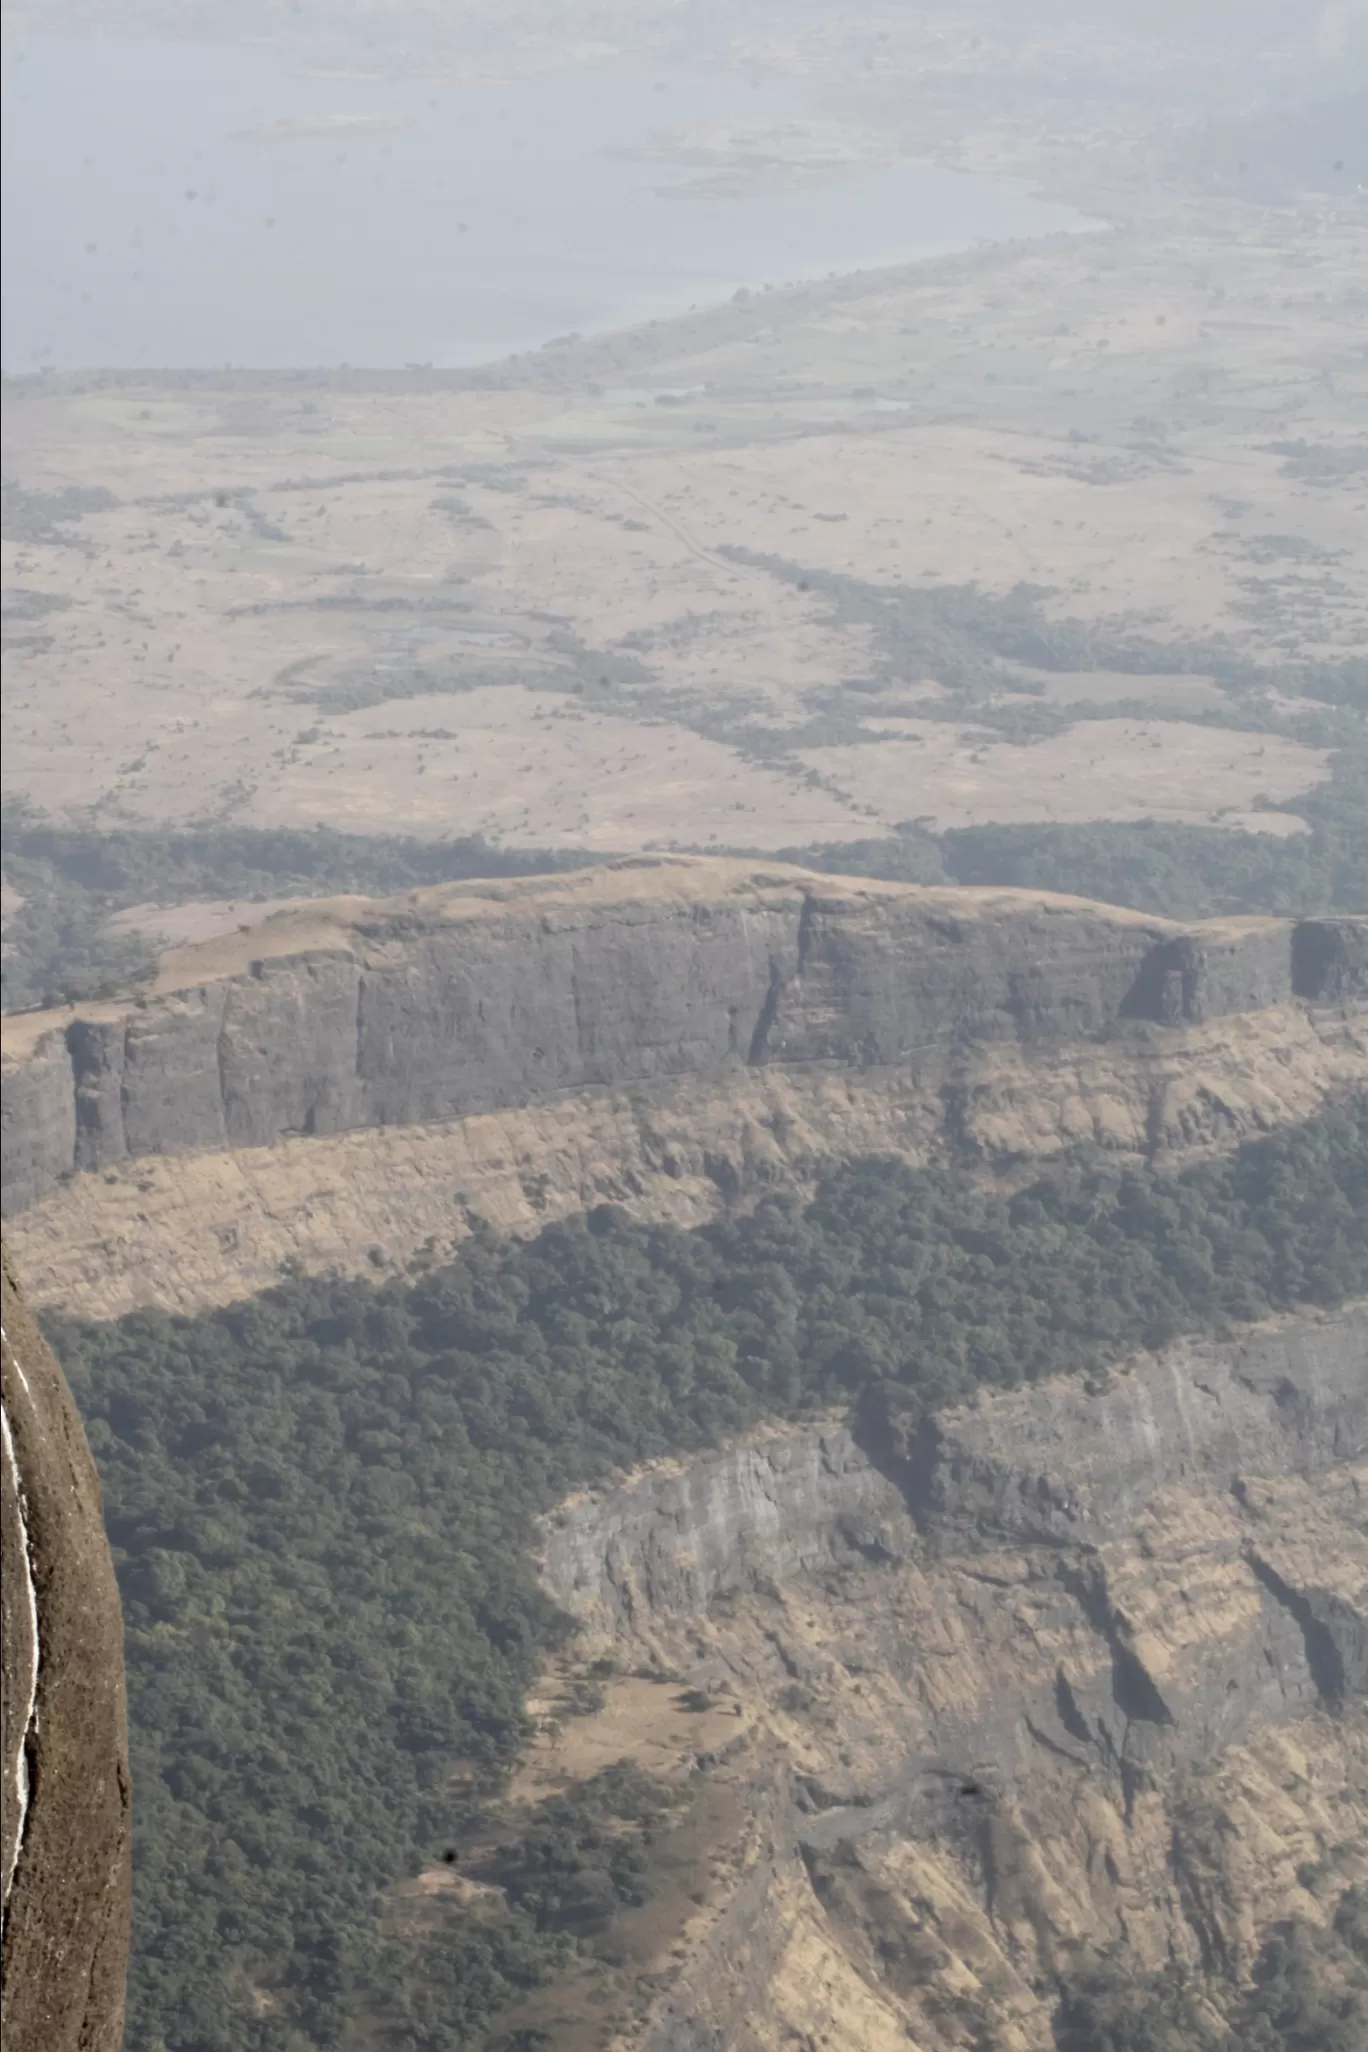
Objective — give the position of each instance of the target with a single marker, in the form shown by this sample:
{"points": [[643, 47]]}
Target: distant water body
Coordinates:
{"points": [[190, 206]]}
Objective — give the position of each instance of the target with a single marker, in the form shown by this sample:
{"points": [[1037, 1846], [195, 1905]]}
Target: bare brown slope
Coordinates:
{"points": [[66, 1830], [188, 1231], [1085, 1665]]}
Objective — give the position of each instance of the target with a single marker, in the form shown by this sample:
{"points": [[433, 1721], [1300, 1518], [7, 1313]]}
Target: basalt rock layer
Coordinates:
{"points": [[1078, 1666], [64, 1749], [464, 1000]]}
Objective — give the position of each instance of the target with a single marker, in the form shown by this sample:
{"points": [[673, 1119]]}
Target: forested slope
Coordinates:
{"points": [[322, 1502]]}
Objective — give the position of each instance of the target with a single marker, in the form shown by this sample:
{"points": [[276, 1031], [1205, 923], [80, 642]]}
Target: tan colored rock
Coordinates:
{"points": [[188, 1231], [1086, 1664], [66, 1825]]}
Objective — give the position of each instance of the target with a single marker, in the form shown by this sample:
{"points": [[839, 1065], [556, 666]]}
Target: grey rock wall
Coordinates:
{"points": [[415, 1015], [1330, 960], [671, 1542], [1061, 1464], [1197, 976], [39, 1110]]}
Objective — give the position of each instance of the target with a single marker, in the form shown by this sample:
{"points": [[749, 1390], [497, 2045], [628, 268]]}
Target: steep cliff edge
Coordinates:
{"points": [[671, 1037], [462, 1000], [184, 1232], [66, 1841], [1081, 1665]]}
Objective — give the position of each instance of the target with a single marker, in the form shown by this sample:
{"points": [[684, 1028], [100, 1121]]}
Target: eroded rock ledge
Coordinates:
{"points": [[1067, 1465], [466, 999], [1081, 1665]]}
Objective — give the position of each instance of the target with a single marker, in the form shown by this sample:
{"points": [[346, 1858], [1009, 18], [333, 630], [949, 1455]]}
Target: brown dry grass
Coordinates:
{"points": [[202, 919], [535, 768], [642, 1720], [1136, 479], [1135, 769]]}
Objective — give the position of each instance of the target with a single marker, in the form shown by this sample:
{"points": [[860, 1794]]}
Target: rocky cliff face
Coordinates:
{"points": [[462, 1000], [1064, 1467], [186, 1231], [63, 1747], [1082, 1664]]}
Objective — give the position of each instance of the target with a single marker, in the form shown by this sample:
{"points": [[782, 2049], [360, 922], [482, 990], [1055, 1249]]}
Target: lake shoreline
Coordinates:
{"points": [[186, 208]]}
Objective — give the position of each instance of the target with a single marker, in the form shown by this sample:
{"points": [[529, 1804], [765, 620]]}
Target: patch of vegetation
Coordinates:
{"points": [[968, 642], [1308, 1993], [912, 857], [575, 1865], [550, 1888], [1322, 463], [1286, 548], [1190, 872], [368, 687], [59, 949], [1178, 871], [1170, 869], [321, 1503], [567, 665], [460, 513], [73, 878], [22, 603], [49, 517]]}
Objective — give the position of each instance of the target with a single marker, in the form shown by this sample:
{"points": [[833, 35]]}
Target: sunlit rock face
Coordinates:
{"points": [[65, 1848], [1079, 1665], [462, 1000]]}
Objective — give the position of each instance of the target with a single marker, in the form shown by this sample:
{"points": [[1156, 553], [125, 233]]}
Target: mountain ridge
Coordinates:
{"points": [[457, 1000]]}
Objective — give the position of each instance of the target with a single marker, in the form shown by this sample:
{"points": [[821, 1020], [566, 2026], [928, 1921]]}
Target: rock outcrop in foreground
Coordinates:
{"points": [[471, 998], [1080, 1665], [64, 1744]]}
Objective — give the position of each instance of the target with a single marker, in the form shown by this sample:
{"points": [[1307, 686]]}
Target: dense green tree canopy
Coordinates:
{"points": [[321, 1502]]}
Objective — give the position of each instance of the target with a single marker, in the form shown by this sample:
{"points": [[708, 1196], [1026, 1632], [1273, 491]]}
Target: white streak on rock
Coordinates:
{"points": [[17, 1368], [21, 1778]]}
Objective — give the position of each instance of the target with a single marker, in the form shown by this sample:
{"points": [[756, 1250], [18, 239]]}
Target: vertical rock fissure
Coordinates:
{"points": [[360, 1031], [1323, 1656], [807, 920], [221, 1056], [779, 982], [1134, 1690], [908, 1455], [764, 1025], [1068, 1711], [577, 1011], [124, 1086]]}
